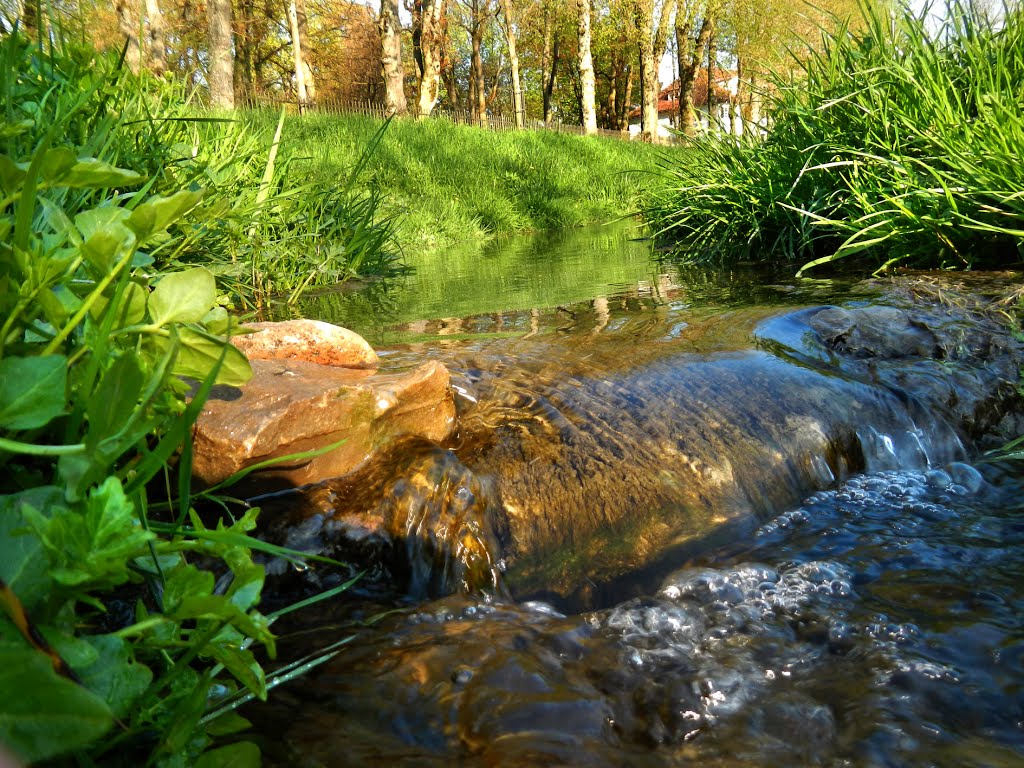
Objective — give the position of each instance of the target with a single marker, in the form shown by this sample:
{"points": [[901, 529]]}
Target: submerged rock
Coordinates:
{"points": [[594, 457]]}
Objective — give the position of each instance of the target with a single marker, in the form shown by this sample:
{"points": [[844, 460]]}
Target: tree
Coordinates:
{"points": [[303, 47], [157, 42], [692, 28], [428, 35], [508, 25], [221, 73], [480, 13], [586, 70], [300, 64], [391, 58], [653, 40], [129, 22], [550, 56]]}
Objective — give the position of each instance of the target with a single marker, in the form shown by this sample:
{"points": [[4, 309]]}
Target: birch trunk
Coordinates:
{"points": [[307, 70], [587, 85], [128, 24], [513, 57], [428, 54], [390, 29], [157, 42], [300, 70], [221, 76]]}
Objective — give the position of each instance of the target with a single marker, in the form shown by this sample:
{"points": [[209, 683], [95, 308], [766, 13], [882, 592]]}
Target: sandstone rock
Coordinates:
{"points": [[294, 406], [309, 340]]}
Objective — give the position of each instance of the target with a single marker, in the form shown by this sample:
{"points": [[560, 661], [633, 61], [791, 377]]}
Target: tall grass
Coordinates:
{"points": [[897, 144], [263, 226], [451, 184]]}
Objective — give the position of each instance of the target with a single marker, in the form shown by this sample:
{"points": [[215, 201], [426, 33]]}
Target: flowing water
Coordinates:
{"points": [[698, 544]]}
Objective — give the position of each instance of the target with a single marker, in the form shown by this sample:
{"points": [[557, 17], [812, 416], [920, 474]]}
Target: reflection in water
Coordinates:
{"points": [[876, 621]]}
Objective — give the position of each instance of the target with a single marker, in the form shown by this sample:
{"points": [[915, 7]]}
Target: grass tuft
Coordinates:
{"points": [[898, 144]]}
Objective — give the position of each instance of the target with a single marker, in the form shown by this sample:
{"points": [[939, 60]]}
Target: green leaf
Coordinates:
{"points": [[200, 352], [116, 398], [157, 213], [56, 164], [89, 172], [101, 219], [33, 391], [49, 715], [115, 676], [243, 754], [22, 562], [243, 665], [131, 310], [107, 246], [12, 176], [183, 297], [228, 723], [184, 581], [91, 550]]}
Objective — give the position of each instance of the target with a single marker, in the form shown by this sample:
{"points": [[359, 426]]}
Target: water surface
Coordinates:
{"points": [[877, 619]]}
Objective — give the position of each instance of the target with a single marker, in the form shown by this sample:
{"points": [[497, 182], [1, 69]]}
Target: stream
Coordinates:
{"points": [[668, 532]]}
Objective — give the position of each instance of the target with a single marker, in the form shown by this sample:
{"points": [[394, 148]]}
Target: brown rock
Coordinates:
{"points": [[310, 340], [294, 406]]}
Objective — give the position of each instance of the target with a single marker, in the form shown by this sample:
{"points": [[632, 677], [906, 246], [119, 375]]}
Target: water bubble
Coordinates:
{"points": [[938, 479], [966, 476]]}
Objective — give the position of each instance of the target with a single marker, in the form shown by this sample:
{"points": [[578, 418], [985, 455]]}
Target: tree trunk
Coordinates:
{"points": [[128, 24], [652, 49], [428, 37], [587, 85], [549, 85], [513, 57], [712, 55], [688, 51], [390, 29], [307, 70], [27, 12], [478, 88], [300, 68], [157, 43], [244, 73], [624, 113], [221, 75], [549, 62]]}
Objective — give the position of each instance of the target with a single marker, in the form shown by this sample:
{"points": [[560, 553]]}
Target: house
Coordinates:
{"points": [[726, 86]]}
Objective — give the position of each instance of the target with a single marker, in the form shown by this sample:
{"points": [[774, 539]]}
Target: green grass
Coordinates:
{"points": [[451, 184], [897, 145]]}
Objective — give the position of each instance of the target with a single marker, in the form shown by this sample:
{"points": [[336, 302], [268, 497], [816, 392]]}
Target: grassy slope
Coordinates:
{"points": [[450, 183]]}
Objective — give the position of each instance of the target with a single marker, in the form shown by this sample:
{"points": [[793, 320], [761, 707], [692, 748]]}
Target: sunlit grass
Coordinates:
{"points": [[451, 184], [899, 144]]}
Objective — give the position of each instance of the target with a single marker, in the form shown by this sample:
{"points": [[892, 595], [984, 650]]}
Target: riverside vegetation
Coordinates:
{"points": [[131, 622], [130, 224], [896, 144]]}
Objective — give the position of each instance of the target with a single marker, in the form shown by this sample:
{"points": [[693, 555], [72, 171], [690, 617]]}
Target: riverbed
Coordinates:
{"points": [[858, 607]]}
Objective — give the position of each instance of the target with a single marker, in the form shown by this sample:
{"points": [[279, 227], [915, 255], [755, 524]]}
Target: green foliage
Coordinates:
{"points": [[230, 195], [116, 627], [451, 184], [897, 144]]}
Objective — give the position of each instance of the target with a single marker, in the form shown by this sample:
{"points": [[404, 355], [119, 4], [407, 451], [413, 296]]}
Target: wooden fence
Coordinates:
{"points": [[378, 110]]}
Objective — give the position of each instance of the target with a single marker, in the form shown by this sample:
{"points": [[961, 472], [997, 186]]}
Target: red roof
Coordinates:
{"points": [[668, 99]]}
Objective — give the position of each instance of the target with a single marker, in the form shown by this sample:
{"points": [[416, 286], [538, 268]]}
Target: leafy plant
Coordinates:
{"points": [[120, 631]]}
